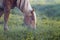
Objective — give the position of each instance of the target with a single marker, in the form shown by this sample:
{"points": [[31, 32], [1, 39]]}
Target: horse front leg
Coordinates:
{"points": [[1, 13], [6, 16]]}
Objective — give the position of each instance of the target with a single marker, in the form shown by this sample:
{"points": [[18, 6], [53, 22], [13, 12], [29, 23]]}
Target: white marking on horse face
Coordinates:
{"points": [[34, 20], [34, 16]]}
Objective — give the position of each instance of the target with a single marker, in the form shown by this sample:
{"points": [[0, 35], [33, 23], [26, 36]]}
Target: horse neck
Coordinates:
{"points": [[24, 5], [28, 5]]}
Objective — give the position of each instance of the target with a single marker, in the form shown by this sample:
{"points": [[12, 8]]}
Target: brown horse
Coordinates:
{"points": [[24, 6]]}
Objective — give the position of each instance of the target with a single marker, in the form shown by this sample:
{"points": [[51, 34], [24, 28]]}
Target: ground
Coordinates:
{"points": [[48, 25]]}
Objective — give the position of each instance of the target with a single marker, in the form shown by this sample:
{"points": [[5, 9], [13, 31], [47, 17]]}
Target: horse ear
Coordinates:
{"points": [[32, 11]]}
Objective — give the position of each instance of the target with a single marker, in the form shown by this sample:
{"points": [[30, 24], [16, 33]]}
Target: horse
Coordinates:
{"points": [[24, 6]]}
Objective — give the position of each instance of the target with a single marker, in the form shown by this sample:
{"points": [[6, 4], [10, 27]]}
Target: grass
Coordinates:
{"points": [[48, 27]]}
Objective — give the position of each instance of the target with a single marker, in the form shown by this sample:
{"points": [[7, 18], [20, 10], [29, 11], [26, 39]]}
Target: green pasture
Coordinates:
{"points": [[48, 24]]}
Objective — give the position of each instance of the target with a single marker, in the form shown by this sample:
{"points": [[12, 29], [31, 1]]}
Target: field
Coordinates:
{"points": [[48, 24]]}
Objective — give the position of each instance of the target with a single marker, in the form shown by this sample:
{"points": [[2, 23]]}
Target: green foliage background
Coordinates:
{"points": [[48, 23]]}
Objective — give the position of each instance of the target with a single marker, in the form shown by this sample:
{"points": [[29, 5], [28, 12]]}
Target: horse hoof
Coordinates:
{"points": [[6, 29]]}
